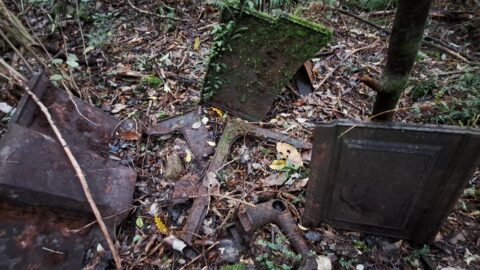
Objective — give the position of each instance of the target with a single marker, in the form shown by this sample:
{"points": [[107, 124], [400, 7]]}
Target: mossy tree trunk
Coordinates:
{"points": [[407, 33]]}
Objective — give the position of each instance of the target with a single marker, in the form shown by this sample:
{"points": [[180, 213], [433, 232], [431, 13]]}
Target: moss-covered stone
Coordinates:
{"points": [[258, 56]]}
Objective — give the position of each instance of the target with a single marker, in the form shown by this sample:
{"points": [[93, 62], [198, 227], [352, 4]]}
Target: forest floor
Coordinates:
{"points": [[127, 43]]}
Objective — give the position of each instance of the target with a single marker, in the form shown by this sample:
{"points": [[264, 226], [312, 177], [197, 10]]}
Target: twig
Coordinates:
{"points": [[95, 221], [342, 61], [430, 44], [223, 197], [80, 175], [11, 70], [152, 14], [199, 256], [447, 51], [373, 116], [53, 251], [29, 67]]}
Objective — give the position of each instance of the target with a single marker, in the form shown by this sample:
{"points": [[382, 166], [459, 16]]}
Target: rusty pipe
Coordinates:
{"points": [[276, 212]]}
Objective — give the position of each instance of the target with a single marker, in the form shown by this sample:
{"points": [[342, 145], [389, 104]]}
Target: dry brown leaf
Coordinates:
{"points": [[276, 179], [129, 135], [290, 153]]}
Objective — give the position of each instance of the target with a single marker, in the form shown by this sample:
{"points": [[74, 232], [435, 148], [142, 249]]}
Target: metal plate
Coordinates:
{"points": [[33, 238], [389, 179], [34, 169]]}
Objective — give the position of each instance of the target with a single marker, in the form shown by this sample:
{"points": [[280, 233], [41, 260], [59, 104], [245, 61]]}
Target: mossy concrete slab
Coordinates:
{"points": [[255, 57]]}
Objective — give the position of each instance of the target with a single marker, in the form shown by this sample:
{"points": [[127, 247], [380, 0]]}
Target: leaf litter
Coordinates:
{"points": [[176, 52]]}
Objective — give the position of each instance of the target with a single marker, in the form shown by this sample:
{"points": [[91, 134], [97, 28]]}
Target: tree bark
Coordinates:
{"points": [[407, 33]]}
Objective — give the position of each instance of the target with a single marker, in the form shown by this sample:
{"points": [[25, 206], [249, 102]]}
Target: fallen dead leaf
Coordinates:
{"points": [[275, 179], [175, 243], [188, 156], [323, 263], [278, 164], [218, 111], [118, 107], [129, 135], [290, 153]]}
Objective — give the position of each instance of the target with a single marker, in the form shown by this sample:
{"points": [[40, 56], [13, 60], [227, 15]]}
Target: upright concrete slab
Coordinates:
{"points": [[254, 56]]}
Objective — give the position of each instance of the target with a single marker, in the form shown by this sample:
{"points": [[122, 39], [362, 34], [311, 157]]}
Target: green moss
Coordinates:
{"points": [[260, 54], [237, 266], [152, 81]]}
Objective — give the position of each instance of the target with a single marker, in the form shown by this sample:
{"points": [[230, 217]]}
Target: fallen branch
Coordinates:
{"points": [[370, 82], [79, 173], [425, 42], [373, 116]]}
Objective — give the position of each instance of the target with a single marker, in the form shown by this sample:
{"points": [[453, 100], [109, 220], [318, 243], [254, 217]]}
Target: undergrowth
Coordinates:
{"points": [[456, 103]]}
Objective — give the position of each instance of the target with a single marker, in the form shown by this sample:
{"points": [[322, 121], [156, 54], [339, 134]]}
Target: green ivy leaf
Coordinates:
{"points": [[56, 77], [57, 61], [72, 60], [139, 222]]}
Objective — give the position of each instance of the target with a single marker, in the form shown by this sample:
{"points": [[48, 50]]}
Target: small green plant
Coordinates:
{"points": [[277, 255], [462, 105], [417, 254], [152, 81], [237, 266], [422, 89], [360, 245], [221, 33], [345, 263], [371, 5], [99, 35]]}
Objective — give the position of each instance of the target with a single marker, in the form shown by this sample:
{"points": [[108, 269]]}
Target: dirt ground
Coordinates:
{"points": [[170, 40]]}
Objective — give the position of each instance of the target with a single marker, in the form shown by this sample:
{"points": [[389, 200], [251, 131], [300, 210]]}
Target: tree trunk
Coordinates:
{"points": [[407, 32]]}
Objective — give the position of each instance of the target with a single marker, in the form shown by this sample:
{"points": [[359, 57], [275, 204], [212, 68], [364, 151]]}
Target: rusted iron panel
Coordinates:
{"points": [[33, 238], [303, 79], [389, 179], [196, 137], [34, 169], [174, 123]]}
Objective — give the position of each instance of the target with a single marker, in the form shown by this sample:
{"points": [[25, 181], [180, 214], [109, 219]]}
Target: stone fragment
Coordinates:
{"points": [[174, 167]]}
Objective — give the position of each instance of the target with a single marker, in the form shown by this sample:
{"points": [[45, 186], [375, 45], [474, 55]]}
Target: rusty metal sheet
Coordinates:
{"points": [[196, 137], [255, 57], [303, 79], [33, 238], [391, 179], [34, 169], [174, 123]]}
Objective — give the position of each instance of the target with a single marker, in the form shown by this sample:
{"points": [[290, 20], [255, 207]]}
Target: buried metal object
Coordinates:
{"points": [[196, 137], [391, 179], [208, 185], [254, 57], [276, 212], [36, 174], [34, 169], [36, 238]]}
